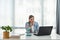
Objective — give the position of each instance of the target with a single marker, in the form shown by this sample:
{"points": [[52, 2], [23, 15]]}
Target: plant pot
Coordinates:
{"points": [[5, 35]]}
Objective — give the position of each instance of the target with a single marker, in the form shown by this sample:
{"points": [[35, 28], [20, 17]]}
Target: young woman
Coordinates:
{"points": [[34, 27]]}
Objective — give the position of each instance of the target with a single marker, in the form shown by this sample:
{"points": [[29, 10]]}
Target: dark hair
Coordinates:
{"points": [[31, 16]]}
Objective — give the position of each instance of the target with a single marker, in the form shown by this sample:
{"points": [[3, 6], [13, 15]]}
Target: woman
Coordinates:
{"points": [[32, 25]]}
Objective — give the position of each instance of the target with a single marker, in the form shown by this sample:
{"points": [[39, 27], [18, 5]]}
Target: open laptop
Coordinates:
{"points": [[44, 30]]}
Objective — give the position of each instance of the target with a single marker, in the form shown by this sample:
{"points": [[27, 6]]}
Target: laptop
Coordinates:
{"points": [[44, 30]]}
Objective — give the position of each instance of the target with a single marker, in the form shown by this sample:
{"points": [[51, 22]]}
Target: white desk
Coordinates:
{"points": [[50, 37], [35, 37]]}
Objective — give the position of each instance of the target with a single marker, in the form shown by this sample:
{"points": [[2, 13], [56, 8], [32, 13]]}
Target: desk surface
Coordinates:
{"points": [[52, 36]]}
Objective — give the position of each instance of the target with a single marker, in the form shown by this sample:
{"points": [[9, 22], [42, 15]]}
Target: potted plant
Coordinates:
{"points": [[6, 29]]}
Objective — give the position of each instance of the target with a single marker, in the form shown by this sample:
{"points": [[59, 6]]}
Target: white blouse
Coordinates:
{"points": [[33, 29]]}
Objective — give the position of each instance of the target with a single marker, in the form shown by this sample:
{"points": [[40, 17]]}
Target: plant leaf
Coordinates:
{"points": [[6, 28]]}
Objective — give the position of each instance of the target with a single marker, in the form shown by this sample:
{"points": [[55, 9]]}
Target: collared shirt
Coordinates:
{"points": [[35, 26]]}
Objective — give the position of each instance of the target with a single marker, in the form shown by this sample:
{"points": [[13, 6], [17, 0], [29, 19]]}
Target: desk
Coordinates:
{"points": [[49, 37], [29, 37], [35, 37]]}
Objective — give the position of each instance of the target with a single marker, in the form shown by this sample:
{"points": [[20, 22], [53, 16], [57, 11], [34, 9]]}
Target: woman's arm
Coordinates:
{"points": [[28, 28], [37, 27]]}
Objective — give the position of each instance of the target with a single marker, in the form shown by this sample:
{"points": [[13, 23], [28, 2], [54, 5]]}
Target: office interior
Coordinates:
{"points": [[15, 13]]}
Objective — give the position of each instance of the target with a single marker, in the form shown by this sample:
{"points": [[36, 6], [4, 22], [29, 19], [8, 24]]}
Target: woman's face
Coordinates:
{"points": [[31, 20]]}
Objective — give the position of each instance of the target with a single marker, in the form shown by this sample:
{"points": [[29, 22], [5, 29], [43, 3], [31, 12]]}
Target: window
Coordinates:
{"points": [[5, 13], [50, 12], [24, 8]]}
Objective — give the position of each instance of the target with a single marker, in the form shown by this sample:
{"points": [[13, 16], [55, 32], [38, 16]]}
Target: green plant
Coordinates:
{"points": [[6, 28]]}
